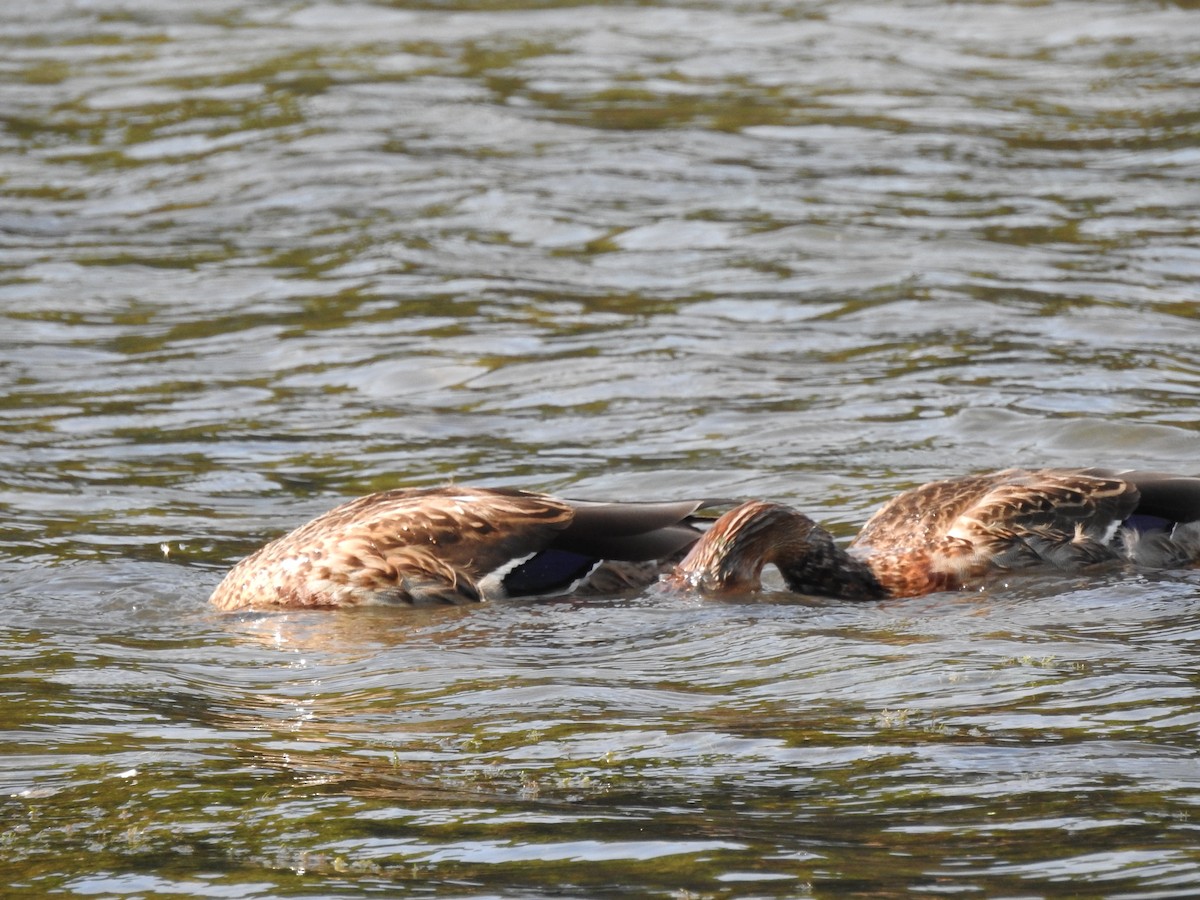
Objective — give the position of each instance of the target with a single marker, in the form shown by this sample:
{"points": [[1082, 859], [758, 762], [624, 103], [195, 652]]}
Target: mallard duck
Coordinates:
{"points": [[943, 535], [459, 545]]}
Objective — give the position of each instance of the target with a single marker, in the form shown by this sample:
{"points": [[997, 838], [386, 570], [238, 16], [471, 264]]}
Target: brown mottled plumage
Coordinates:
{"points": [[457, 545], [943, 534]]}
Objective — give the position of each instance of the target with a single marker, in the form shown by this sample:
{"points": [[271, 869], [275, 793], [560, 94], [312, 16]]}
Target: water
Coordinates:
{"points": [[258, 258]]}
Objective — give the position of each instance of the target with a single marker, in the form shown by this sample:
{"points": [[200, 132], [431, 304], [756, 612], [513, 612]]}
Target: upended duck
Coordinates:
{"points": [[460, 545], [947, 534]]}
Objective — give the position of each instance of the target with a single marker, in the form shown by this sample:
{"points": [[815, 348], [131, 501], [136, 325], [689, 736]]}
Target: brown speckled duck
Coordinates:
{"points": [[945, 534], [459, 545]]}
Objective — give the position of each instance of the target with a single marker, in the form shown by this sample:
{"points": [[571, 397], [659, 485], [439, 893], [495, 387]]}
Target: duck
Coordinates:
{"points": [[946, 535], [461, 545]]}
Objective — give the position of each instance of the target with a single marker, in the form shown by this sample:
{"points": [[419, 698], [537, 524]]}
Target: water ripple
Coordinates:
{"points": [[257, 259]]}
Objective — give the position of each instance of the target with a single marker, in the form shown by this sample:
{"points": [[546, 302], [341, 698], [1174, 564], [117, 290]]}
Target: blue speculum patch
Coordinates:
{"points": [[548, 571]]}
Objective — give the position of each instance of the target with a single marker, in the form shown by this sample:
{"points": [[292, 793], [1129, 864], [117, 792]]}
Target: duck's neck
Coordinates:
{"points": [[731, 556], [819, 566]]}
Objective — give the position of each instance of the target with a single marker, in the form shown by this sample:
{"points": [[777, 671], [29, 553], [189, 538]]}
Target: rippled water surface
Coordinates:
{"points": [[256, 258]]}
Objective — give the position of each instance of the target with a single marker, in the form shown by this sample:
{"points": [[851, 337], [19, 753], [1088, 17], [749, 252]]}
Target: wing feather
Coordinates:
{"points": [[1009, 519]]}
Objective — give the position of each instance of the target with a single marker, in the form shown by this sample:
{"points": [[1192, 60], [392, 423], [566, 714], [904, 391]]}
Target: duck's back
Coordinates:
{"points": [[1019, 517], [393, 545], [1009, 518]]}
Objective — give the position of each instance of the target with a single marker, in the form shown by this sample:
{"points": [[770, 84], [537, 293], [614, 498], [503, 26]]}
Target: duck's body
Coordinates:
{"points": [[946, 534], [457, 545]]}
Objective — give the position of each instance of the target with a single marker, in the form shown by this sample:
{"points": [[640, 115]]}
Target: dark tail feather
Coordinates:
{"points": [[1175, 498], [633, 531]]}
